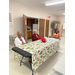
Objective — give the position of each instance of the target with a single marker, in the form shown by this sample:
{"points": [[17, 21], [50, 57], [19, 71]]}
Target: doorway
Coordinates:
{"points": [[41, 27], [47, 28], [32, 23]]}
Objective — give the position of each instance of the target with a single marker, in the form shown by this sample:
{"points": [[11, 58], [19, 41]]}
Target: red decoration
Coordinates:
{"points": [[42, 61], [38, 51], [46, 46], [38, 38], [33, 44], [43, 40], [49, 16], [33, 69], [33, 60], [22, 48]]}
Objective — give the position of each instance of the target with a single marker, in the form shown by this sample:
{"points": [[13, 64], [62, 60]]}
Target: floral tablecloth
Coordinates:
{"points": [[41, 51]]}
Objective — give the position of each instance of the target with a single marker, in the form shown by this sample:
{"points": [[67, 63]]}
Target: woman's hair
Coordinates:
{"points": [[18, 32], [34, 30], [58, 31], [55, 30]]}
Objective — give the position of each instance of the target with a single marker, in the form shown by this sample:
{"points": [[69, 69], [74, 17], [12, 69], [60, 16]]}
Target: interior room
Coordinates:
{"points": [[32, 23], [37, 17]]}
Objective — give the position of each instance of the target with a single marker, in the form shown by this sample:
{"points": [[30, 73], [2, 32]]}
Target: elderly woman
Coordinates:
{"points": [[35, 36], [19, 40], [56, 34]]}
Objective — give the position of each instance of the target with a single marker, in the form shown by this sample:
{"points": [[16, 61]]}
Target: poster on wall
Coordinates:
{"points": [[10, 18]]}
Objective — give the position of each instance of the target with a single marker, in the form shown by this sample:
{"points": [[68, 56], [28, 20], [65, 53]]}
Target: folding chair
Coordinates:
{"points": [[24, 54], [17, 54]]}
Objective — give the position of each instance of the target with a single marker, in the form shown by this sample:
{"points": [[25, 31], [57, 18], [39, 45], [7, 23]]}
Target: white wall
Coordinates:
{"points": [[62, 20], [17, 10]]}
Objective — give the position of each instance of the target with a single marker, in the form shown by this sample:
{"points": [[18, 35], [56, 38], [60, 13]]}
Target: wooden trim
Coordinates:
{"points": [[47, 31], [41, 27], [25, 27]]}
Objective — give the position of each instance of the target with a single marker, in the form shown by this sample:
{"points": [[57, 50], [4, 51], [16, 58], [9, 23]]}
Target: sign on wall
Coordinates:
{"points": [[10, 20]]}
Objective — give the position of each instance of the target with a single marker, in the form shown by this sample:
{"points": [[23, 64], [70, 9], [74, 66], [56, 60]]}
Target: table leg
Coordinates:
{"points": [[32, 72], [30, 62], [21, 61], [30, 67]]}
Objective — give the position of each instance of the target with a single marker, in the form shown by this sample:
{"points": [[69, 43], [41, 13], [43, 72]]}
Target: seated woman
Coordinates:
{"points": [[19, 40], [35, 36], [56, 34]]}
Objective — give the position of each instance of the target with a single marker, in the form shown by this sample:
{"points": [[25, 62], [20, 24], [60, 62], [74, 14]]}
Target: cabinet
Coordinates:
{"points": [[33, 21], [29, 34], [30, 22]]}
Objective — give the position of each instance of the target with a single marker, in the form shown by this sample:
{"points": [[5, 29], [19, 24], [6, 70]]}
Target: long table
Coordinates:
{"points": [[38, 51]]}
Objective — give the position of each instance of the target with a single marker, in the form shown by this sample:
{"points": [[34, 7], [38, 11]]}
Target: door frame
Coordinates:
{"points": [[38, 22], [48, 28], [25, 25], [44, 25], [32, 17]]}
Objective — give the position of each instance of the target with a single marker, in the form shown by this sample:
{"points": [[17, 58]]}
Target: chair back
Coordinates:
{"points": [[14, 45]]}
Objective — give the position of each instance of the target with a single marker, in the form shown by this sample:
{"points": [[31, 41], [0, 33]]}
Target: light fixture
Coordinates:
{"points": [[54, 3]]}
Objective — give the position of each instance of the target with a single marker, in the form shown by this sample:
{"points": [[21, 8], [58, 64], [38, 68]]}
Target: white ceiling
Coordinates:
{"points": [[40, 5]]}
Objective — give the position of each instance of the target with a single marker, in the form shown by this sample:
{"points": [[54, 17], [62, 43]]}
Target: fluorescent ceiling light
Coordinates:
{"points": [[54, 3]]}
